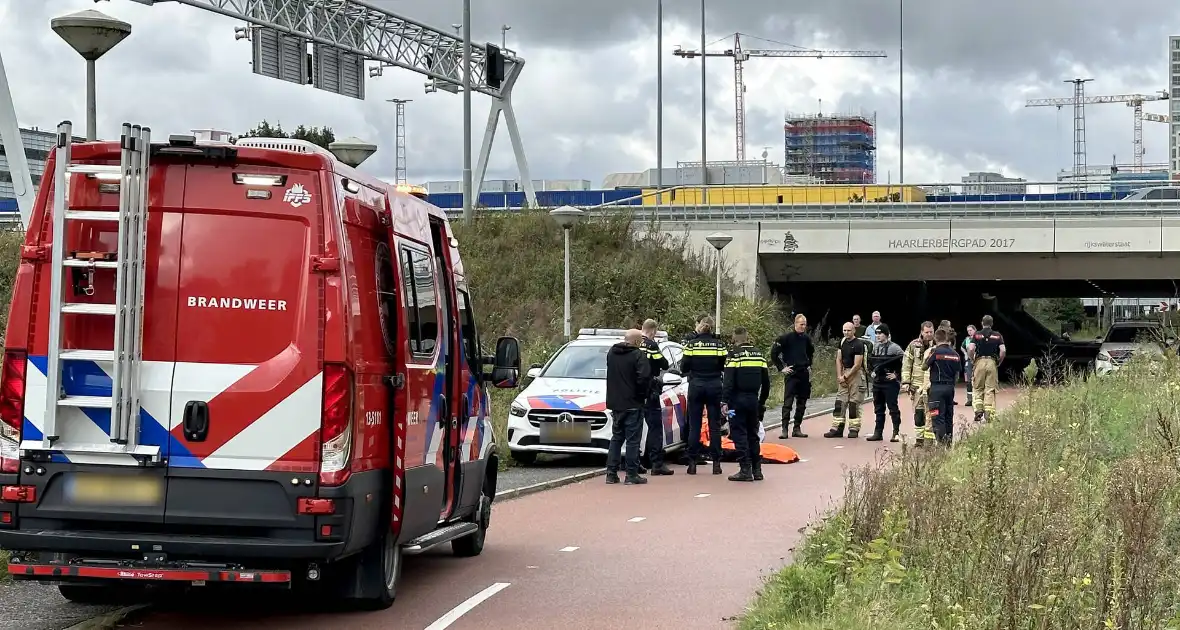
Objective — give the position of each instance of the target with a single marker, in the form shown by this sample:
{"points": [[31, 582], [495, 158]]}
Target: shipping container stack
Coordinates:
{"points": [[833, 148]]}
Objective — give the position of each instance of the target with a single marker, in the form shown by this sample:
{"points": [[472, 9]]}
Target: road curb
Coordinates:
{"points": [[109, 620], [524, 491]]}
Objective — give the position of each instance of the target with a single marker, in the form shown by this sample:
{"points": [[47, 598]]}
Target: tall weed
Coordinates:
{"points": [[1060, 515]]}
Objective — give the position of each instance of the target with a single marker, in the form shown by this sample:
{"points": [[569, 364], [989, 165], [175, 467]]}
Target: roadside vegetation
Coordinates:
{"points": [[1059, 515], [620, 273]]}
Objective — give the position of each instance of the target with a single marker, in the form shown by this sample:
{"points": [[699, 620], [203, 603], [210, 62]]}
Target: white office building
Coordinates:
{"points": [[988, 183]]}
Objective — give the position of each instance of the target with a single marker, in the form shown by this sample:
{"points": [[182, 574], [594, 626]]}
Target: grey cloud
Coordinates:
{"points": [[181, 69]]}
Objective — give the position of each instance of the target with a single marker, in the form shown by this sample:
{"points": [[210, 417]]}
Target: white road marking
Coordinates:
{"points": [[839, 447], [462, 609], [531, 567], [569, 549], [701, 496], [804, 461], [637, 519]]}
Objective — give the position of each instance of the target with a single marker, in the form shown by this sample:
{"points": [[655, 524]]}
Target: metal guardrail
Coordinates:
{"points": [[886, 211], [10, 219]]}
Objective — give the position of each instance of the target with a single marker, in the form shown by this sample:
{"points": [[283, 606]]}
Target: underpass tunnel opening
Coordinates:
{"points": [[905, 304]]}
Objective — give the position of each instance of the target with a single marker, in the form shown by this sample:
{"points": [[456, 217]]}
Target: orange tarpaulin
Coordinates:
{"points": [[772, 453]]}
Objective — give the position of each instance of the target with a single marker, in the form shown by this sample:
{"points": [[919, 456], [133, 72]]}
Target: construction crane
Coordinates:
{"points": [[740, 56], [1134, 101], [402, 174]]}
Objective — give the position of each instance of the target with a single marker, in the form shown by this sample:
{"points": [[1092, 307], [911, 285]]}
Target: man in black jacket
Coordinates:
{"points": [[885, 375], [703, 365], [628, 381], [653, 413], [792, 354]]}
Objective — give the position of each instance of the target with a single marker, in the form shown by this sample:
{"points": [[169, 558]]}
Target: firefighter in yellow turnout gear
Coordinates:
{"points": [[986, 350], [915, 380]]}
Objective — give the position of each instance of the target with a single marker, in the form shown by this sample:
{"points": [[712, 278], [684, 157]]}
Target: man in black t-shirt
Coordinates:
{"points": [[851, 381]]}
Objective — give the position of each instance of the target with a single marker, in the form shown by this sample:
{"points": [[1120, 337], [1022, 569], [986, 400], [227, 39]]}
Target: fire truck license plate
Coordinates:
{"points": [[114, 490], [565, 432]]}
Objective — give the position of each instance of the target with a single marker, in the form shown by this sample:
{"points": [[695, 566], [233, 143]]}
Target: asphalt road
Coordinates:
{"points": [[680, 552]]}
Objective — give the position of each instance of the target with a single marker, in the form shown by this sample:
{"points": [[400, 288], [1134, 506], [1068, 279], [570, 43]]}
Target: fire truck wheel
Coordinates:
{"points": [[380, 570], [472, 544]]}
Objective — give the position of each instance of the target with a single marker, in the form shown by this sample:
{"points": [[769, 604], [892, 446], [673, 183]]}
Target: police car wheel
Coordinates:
{"points": [[471, 545]]}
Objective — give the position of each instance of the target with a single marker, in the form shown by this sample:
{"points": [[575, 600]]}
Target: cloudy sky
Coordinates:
{"points": [[586, 100]]}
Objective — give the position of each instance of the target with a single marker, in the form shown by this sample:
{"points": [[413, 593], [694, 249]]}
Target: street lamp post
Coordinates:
{"points": [[718, 240], [659, 99], [504, 35], [468, 195], [567, 217], [93, 34]]}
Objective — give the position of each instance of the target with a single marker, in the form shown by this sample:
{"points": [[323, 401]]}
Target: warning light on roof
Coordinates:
{"points": [[413, 189]]}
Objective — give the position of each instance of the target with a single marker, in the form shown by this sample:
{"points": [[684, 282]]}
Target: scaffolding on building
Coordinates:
{"points": [[836, 148]]}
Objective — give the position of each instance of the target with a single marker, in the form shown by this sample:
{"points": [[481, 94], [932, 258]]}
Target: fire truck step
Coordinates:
{"points": [[92, 215], [88, 355], [97, 264], [87, 402], [94, 169], [446, 533], [83, 308]]}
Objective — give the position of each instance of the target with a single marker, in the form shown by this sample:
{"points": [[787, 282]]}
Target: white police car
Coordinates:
{"points": [[563, 408]]}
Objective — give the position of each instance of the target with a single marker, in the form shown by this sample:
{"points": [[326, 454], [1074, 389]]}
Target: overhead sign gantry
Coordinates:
{"points": [[344, 34]]}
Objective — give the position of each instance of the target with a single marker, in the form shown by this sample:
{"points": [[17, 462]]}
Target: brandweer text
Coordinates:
{"points": [[248, 304]]}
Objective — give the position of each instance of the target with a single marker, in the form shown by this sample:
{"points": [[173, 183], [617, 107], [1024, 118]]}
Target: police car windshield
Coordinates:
{"points": [[578, 362], [1130, 334]]}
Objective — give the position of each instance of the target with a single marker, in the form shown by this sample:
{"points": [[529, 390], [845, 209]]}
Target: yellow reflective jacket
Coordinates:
{"points": [[913, 365]]}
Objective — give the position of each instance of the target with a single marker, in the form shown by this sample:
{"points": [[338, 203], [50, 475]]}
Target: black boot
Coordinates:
{"points": [[798, 430], [875, 437], [742, 475], [717, 468], [662, 471], [634, 480], [692, 468], [896, 437], [853, 433], [835, 432], [758, 471], [612, 477]]}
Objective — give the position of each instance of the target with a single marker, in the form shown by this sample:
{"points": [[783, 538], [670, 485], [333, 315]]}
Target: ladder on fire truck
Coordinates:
{"points": [[128, 262]]}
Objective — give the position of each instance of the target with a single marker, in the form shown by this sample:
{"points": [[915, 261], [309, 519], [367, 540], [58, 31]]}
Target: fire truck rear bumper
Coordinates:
{"points": [[81, 543]]}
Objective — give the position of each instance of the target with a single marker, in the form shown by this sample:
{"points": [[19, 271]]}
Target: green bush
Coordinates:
{"points": [[1060, 515], [620, 274]]}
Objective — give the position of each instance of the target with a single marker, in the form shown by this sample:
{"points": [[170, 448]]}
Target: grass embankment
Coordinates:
{"points": [[1060, 515], [618, 275]]}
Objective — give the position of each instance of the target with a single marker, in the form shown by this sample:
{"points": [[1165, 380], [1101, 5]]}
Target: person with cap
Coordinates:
{"points": [[653, 413], [743, 400], [703, 365], [792, 354], [885, 372]]}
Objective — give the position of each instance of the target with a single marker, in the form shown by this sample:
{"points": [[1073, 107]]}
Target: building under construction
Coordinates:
{"points": [[833, 148]]}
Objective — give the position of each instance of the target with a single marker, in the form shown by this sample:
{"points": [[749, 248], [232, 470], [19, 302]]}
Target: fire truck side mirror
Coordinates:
{"points": [[506, 366]]}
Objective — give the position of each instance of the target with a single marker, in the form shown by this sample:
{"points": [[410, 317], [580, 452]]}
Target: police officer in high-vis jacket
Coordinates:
{"points": [[703, 364], [653, 448], [743, 398]]}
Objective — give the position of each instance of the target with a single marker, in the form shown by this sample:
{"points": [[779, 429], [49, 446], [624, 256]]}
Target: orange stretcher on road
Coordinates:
{"points": [[772, 453]]}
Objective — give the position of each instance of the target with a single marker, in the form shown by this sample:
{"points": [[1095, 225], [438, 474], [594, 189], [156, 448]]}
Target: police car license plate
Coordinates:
{"points": [[114, 490], [565, 432]]}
